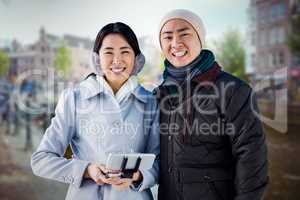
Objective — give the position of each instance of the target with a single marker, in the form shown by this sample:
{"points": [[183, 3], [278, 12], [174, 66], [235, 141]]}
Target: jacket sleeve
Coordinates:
{"points": [[248, 145], [150, 177], [48, 161]]}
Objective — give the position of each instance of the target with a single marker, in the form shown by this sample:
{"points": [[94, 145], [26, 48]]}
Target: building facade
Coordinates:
{"points": [[41, 55], [268, 30]]}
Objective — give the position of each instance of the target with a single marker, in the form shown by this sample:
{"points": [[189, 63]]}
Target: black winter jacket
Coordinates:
{"points": [[213, 146]]}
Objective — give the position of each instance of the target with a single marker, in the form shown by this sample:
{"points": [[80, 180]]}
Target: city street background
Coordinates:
{"points": [[46, 46]]}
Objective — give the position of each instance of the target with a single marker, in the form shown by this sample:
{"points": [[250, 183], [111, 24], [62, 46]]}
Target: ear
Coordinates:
{"points": [[139, 63], [96, 66]]}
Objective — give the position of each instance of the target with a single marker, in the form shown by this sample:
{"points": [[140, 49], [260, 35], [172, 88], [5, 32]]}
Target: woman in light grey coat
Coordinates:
{"points": [[107, 112]]}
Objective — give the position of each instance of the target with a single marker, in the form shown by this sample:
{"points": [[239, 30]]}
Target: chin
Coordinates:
{"points": [[180, 64], [123, 76]]}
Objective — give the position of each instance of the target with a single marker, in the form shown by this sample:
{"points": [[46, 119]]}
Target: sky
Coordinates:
{"points": [[22, 19]]}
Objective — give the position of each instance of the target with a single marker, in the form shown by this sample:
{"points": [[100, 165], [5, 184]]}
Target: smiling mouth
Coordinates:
{"points": [[118, 70], [179, 54]]}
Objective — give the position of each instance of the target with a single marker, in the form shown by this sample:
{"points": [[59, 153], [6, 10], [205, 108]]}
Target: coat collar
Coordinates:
{"points": [[208, 76], [91, 87]]}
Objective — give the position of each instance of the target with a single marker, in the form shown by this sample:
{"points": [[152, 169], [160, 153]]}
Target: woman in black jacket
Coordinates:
{"points": [[212, 142]]}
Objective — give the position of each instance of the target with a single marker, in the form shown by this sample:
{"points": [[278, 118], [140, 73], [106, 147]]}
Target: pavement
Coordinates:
{"points": [[17, 181], [14, 181], [284, 164]]}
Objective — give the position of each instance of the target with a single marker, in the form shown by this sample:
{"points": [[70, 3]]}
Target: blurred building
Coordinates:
{"points": [[41, 54], [268, 29], [151, 75]]}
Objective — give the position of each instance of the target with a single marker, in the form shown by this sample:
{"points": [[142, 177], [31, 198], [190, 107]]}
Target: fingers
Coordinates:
{"points": [[115, 180], [98, 181], [103, 169], [123, 184], [107, 170], [100, 178], [105, 179], [137, 176]]}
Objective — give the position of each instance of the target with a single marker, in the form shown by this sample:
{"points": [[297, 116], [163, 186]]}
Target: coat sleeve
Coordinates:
{"points": [[150, 177], [248, 142], [48, 161]]}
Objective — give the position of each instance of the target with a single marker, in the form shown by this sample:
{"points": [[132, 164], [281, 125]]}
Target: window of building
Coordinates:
{"points": [[265, 15], [273, 36], [265, 60], [278, 11], [259, 38], [281, 35], [274, 60], [270, 59], [296, 60], [265, 38], [43, 61], [281, 58], [262, 15], [274, 12], [281, 10], [262, 38]]}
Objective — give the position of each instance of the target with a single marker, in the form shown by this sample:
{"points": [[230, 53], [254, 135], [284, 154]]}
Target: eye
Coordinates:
{"points": [[184, 35], [125, 52], [108, 53], [168, 38]]}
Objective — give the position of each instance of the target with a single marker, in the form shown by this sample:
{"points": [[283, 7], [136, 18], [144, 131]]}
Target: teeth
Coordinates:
{"points": [[179, 54], [117, 70]]}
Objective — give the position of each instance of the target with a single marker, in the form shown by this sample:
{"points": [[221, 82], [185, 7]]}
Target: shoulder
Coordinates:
{"points": [[226, 77], [77, 91], [146, 96], [232, 84], [87, 88]]}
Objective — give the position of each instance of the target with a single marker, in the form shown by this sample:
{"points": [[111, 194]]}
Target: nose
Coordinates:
{"points": [[116, 59], [176, 42]]}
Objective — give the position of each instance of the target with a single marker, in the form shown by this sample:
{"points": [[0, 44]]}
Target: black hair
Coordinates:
{"points": [[118, 28]]}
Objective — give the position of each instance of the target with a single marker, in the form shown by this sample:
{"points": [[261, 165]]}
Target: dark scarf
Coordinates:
{"points": [[201, 64]]}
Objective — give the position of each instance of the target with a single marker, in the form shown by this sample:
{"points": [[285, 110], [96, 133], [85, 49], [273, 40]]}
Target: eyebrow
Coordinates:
{"points": [[111, 48], [178, 30], [125, 47], [108, 48]]}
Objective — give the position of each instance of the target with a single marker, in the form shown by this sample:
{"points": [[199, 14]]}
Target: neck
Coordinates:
{"points": [[199, 65], [115, 85]]}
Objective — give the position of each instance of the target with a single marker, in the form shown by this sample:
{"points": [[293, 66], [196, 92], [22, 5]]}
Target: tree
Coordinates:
{"points": [[63, 60], [4, 63], [230, 53], [293, 40]]}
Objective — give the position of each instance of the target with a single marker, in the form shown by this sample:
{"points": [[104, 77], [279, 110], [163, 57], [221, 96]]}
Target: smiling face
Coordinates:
{"points": [[179, 42], [116, 59]]}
